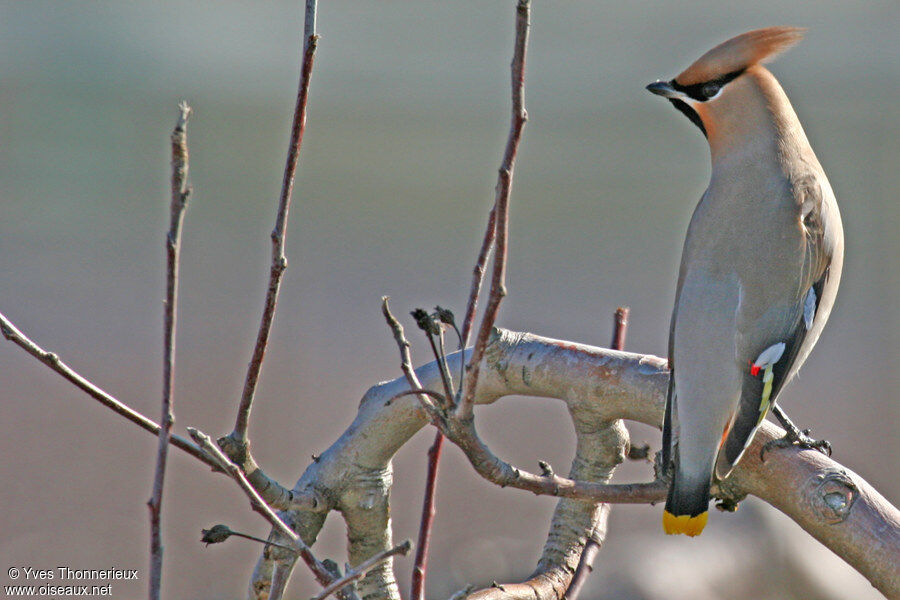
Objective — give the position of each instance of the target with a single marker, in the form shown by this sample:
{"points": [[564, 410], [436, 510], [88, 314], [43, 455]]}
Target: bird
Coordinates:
{"points": [[759, 273]]}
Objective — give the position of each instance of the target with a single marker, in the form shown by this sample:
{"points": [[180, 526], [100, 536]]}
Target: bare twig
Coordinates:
{"points": [[487, 245], [426, 521], [363, 568], [50, 359], [219, 533], [276, 495], [417, 390], [620, 328], [320, 571], [402, 343], [592, 545], [501, 206], [432, 327], [180, 194], [421, 561], [441, 357], [284, 498], [497, 229], [279, 261], [847, 515], [585, 567], [463, 593]]}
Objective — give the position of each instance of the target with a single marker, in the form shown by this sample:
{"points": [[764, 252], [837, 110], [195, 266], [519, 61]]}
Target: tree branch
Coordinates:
{"points": [[180, 194], [402, 343], [236, 444], [595, 539], [501, 207], [426, 521], [11, 333], [833, 504], [279, 261], [487, 245], [417, 587], [320, 571]]}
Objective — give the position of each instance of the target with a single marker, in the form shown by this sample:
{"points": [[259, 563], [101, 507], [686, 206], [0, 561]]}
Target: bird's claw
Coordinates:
{"points": [[801, 439]]}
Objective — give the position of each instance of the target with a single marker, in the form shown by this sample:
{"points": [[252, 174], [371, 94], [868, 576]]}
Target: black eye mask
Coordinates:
{"points": [[705, 90]]}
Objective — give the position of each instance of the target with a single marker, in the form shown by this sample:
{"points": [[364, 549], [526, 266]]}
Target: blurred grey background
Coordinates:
{"points": [[407, 120]]}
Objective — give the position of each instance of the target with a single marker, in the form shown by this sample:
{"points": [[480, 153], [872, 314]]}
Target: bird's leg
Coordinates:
{"points": [[794, 437]]}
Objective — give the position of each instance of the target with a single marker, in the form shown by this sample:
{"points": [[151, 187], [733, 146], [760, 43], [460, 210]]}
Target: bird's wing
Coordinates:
{"points": [[770, 366], [669, 437]]}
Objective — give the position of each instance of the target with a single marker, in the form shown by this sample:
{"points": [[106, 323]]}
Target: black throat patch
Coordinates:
{"points": [[690, 113]]}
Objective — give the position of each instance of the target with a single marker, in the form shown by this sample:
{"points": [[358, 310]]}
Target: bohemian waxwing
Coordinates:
{"points": [[759, 270]]}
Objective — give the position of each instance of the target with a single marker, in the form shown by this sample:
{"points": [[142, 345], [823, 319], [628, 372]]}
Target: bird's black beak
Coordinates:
{"points": [[664, 89], [679, 100]]}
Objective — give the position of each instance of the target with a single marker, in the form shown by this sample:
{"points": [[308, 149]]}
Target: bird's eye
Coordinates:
{"points": [[711, 89]]}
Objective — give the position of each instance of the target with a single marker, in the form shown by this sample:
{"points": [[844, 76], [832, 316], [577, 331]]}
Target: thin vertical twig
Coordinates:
{"points": [[620, 328], [402, 344], [440, 358], [434, 453], [501, 207], [592, 545], [496, 231], [279, 261], [426, 522], [180, 194], [478, 276]]}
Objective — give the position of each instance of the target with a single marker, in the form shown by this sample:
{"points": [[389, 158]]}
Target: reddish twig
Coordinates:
{"points": [[478, 276], [620, 328], [279, 261], [592, 545], [496, 230], [426, 521], [180, 193], [501, 207]]}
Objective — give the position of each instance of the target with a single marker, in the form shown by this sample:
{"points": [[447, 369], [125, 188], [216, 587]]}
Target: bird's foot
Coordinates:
{"points": [[801, 439]]}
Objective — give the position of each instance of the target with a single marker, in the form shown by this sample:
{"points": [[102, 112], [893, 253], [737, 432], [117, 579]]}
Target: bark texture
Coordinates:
{"points": [[599, 386]]}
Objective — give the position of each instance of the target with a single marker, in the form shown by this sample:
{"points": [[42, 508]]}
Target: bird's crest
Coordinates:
{"points": [[740, 52]]}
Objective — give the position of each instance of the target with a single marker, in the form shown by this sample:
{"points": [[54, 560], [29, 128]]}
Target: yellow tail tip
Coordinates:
{"points": [[685, 524]]}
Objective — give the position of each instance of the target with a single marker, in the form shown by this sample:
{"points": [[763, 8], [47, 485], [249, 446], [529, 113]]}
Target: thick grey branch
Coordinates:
{"points": [[833, 504], [321, 572]]}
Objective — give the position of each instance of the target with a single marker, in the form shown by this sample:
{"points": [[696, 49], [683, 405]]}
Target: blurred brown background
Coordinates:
{"points": [[408, 117]]}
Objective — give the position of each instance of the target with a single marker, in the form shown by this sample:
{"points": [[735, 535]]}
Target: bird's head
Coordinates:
{"points": [[717, 85]]}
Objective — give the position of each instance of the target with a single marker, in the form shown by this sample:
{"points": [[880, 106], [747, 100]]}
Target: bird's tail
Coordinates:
{"points": [[687, 504]]}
